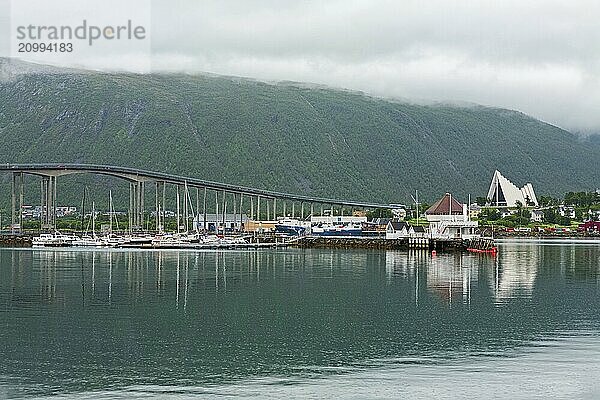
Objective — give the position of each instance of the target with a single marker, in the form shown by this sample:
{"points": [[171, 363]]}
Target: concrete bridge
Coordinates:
{"points": [[138, 180]]}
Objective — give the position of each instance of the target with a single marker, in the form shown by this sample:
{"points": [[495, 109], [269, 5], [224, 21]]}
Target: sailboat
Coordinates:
{"points": [[87, 240]]}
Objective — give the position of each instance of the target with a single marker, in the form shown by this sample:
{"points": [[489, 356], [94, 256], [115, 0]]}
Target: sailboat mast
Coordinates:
{"points": [[83, 208], [110, 207], [93, 219]]}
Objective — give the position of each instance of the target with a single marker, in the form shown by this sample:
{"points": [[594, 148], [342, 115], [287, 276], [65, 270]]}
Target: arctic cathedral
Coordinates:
{"points": [[504, 193]]}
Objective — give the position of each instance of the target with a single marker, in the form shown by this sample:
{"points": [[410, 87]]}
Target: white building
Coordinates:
{"points": [[537, 216], [337, 220], [399, 230], [213, 221], [449, 219], [504, 193], [567, 211]]}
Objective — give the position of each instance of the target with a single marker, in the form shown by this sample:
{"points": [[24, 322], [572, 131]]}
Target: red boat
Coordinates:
{"points": [[492, 250]]}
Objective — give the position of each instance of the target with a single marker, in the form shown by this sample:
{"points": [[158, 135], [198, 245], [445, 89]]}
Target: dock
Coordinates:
{"points": [[379, 243]]}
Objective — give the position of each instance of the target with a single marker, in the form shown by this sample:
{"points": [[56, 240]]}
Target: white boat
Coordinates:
{"points": [[55, 239], [88, 241]]}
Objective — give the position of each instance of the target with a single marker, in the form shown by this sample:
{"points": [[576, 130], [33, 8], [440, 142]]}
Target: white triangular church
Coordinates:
{"points": [[504, 193]]}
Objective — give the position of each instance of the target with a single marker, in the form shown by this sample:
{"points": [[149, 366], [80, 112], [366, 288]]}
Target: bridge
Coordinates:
{"points": [[139, 179]]}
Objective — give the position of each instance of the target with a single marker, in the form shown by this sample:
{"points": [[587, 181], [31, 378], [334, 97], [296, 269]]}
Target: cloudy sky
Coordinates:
{"points": [[539, 57]]}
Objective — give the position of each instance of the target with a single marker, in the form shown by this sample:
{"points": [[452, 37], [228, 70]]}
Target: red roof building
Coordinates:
{"points": [[445, 206]]}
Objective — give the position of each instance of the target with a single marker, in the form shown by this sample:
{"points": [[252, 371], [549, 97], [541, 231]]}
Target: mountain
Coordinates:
{"points": [[281, 136]]}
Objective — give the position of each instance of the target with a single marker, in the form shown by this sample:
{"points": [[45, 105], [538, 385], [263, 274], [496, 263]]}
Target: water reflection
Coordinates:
{"points": [[451, 277], [76, 320]]}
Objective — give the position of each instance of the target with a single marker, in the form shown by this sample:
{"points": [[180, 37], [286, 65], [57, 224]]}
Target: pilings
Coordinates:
{"points": [[136, 205]]}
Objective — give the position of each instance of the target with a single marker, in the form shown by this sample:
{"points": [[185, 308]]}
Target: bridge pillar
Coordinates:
{"points": [[267, 207], [136, 206], [186, 210], [163, 203], [44, 203], [130, 213], [258, 208], [204, 211], [48, 203], [234, 212], [159, 205], [140, 208], [224, 211], [17, 200], [197, 210], [216, 211], [241, 211], [178, 219]]}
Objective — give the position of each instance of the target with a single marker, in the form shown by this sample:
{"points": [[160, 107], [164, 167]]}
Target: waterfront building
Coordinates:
{"points": [[400, 229], [449, 219], [337, 219], [397, 230], [474, 211], [260, 226], [214, 221], [504, 193], [589, 226]]}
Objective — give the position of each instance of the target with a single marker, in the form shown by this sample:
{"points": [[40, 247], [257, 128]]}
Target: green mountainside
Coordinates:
{"points": [[286, 137]]}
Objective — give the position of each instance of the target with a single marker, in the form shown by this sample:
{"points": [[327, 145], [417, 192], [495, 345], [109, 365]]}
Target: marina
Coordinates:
{"points": [[240, 217]]}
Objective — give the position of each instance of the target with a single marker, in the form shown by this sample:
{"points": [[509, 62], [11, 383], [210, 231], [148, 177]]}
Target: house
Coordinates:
{"points": [[567, 211], [474, 211], [375, 227], [397, 230], [537, 216], [589, 226], [419, 231], [398, 211], [448, 218], [506, 212], [400, 229], [380, 224]]}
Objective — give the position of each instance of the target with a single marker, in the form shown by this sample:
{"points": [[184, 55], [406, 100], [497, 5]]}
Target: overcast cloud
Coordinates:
{"points": [[539, 57]]}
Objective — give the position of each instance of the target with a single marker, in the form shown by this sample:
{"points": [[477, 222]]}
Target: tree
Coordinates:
{"points": [[546, 201], [380, 213], [482, 201]]}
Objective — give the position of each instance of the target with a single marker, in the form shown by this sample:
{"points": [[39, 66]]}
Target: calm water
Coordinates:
{"points": [[301, 323]]}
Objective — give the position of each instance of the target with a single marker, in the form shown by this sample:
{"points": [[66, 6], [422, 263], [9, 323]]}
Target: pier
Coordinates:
{"points": [[407, 243]]}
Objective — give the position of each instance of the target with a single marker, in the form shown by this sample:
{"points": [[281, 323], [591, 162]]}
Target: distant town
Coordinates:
{"points": [[506, 210]]}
